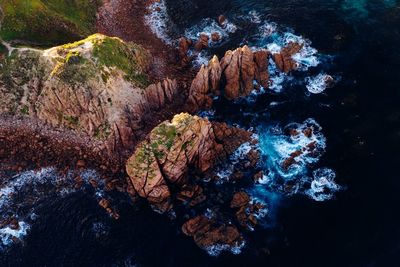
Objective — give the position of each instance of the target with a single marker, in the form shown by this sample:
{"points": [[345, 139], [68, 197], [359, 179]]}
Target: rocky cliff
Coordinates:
{"points": [[97, 86]]}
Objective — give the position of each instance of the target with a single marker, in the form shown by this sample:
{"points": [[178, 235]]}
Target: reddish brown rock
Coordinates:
{"points": [[261, 74], [206, 82], [202, 42], [240, 199], [238, 68], [160, 94], [192, 195], [284, 60], [221, 20], [167, 154], [207, 233], [184, 45], [215, 37], [247, 210], [308, 132]]}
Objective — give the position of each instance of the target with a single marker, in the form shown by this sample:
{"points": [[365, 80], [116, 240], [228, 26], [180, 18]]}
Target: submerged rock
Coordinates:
{"points": [[208, 233]]}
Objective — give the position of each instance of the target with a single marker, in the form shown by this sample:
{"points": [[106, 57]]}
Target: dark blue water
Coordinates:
{"points": [[357, 43]]}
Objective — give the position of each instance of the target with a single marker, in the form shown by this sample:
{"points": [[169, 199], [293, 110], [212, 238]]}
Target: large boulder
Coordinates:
{"points": [[165, 157]]}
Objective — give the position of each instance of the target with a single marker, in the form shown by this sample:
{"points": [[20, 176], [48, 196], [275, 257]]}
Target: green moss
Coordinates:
{"points": [[24, 110], [72, 121], [3, 50], [113, 52], [165, 135], [48, 22], [103, 131]]}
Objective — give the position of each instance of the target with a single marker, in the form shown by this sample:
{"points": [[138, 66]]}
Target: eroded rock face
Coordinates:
{"points": [[97, 86], [206, 83], [237, 72], [238, 69], [165, 157]]}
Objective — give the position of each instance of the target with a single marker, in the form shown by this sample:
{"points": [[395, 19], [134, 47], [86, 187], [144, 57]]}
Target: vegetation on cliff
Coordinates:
{"points": [[47, 22]]}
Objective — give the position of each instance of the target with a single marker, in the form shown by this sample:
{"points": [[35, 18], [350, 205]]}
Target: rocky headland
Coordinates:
{"points": [[114, 104]]}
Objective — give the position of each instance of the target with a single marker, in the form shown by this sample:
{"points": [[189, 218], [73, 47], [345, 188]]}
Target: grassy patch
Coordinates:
{"points": [[128, 57], [47, 22]]}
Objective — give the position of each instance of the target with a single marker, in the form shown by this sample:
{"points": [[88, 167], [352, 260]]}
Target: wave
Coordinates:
{"points": [[20, 193], [158, 20], [288, 155]]}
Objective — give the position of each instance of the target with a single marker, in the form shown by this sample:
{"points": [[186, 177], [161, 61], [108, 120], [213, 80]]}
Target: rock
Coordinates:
{"points": [[308, 132], [238, 69], [287, 163], [80, 164], [206, 82], [160, 94], [215, 37], [164, 158], [222, 20], [247, 210], [83, 87], [240, 199], [192, 195], [202, 42], [261, 74], [167, 154], [207, 233], [184, 45], [284, 60]]}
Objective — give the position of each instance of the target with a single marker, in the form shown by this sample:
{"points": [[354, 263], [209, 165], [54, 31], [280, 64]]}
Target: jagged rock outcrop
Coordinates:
{"points": [[205, 84], [237, 71], [284, 60], [97, 86], [165, 157], [162, 161], [261, 73], [183, 49]]}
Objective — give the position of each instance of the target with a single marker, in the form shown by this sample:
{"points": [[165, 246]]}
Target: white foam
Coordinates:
{"points": [[318, 83], [7, 234], [215, 250], [277, 146], [19, 194], [323, 185], [158, 20]]}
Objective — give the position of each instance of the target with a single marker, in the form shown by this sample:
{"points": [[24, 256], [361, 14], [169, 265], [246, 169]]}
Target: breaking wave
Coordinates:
{"points": [[289, 153]]}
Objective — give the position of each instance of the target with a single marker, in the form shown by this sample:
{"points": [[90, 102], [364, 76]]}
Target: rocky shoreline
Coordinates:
{"points": [[114, 105]]}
